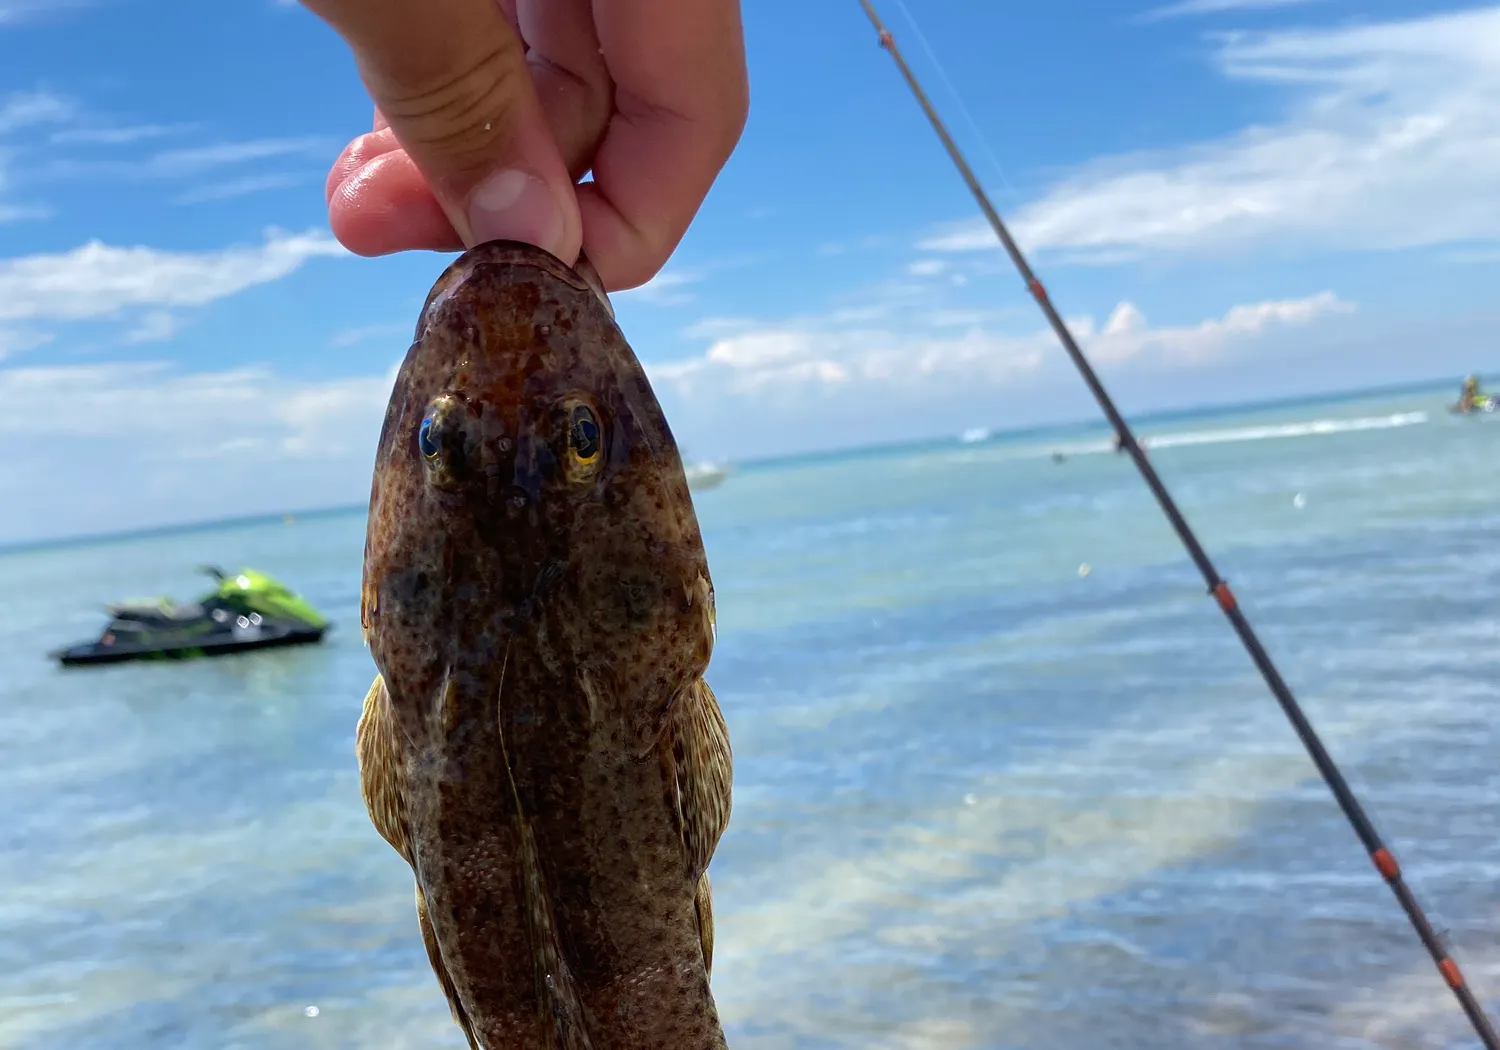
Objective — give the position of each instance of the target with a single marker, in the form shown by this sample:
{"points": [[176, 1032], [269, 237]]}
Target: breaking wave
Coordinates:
{"points": [[1264, 432]]}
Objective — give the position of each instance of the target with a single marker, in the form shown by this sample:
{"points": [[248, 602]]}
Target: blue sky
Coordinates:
{"points": [[1231, 199]]}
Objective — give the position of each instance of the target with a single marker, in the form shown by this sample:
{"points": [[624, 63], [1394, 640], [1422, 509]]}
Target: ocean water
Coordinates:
{"points": [[984, 796]]}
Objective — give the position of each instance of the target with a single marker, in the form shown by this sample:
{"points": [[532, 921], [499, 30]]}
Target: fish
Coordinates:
{"points": [[540, 744]]}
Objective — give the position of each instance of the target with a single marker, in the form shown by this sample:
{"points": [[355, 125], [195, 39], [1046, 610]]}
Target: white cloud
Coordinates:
{"points": [[243, 187], [1213, 7], [25, 109], [195, 160], [23, 212], [15, 340], [114, 136], [99, 280], [1126, 333], [239, 409], [353, 336], [155, 326], [124, 444], [812, 355], [665, 289], [1479, 256], [1392, 143], [15, 11], [187, 162]]}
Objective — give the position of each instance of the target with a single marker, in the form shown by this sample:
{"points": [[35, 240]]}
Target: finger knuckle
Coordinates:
{"points": [[463, 113]]}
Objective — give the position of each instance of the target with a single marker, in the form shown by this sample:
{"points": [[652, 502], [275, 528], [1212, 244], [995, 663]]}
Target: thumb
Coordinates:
{"points": [[451, 78]]}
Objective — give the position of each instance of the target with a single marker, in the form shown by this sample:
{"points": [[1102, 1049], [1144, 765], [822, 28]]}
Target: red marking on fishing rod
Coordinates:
{"points": [[1225, 597], [1343, 794]]}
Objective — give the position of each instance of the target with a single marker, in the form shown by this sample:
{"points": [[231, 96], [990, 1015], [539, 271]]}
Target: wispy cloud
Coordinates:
{"points": [[115, 136], [244, 187], [23, 212], [1480, 256], [792, 359], [365, 333], [1213, 7], [99, 280], [18, 112], [197, 160], [24, 109], [251, 407], [155, 326], [673, 285], [16, 11], [276, 441], [16, 340], [176, 163], [667, 288], [1391, 144]]}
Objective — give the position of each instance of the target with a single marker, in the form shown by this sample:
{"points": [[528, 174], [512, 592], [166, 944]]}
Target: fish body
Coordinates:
{"points": [[540, 745]]}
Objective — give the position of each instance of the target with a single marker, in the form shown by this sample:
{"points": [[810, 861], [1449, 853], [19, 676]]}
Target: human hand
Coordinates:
{"points": [[488, 112]]}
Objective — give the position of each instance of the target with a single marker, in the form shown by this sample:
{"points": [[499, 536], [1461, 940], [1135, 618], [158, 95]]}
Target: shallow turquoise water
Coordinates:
{"points": [[981, 800]]}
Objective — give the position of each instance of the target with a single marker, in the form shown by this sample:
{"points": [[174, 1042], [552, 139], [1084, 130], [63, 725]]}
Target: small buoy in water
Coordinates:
{"points": [[311, 1011], [1299, 501], [1084, 569]]}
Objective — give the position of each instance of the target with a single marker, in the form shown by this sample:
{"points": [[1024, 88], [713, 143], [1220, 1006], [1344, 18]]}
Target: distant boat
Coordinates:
{"points": [[974, 434], [705, 476]]}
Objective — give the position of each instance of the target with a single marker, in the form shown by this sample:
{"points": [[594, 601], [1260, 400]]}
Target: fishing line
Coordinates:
{"points": [[1380, 854], [958, 100]]}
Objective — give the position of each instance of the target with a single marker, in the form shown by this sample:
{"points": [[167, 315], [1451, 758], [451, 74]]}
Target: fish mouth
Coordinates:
{"points": [[521, 256]]}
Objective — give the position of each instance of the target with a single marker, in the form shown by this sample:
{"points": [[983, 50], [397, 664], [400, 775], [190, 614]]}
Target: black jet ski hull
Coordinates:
{"points": [[97, 653]]}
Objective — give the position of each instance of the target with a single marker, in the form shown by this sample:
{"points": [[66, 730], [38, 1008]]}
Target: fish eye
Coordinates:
{"points": [[425, 442], [440, 436], [583, 436]]}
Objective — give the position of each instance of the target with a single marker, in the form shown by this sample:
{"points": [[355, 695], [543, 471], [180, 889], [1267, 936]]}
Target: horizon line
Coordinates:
{"points": [[84, 539]]}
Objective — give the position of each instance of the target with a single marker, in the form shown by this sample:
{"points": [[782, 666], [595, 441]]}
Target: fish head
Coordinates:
{"points": [[529, 505]]}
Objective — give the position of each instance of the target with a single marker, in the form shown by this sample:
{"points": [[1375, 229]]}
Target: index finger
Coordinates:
{"points": [[682, 95]]}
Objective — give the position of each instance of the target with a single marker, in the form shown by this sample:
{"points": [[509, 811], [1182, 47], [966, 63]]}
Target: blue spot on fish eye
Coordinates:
{"points": [[428, 446]]}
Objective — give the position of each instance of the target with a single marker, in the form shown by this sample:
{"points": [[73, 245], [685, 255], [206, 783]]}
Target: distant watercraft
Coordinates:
{"points": [[704, 476], [1471, 400], [248, 610], [1478, 403]]}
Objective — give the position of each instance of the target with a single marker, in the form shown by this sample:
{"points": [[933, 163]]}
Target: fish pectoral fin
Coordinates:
{"points": [[703, 901], [382, 771], [696, 748], [382, 775], [435, 957]]}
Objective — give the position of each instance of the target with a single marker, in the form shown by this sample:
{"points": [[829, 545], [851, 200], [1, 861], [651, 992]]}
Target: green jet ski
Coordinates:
{"points": [[1470, 399], [1479, 403], [248, 610]]}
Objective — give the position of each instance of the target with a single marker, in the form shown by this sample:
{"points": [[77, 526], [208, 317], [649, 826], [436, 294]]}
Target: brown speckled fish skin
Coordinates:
{"points": [[540, 745]]}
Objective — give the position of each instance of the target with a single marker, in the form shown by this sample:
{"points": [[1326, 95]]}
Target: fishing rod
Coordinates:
{"points": [[1380, 854]]}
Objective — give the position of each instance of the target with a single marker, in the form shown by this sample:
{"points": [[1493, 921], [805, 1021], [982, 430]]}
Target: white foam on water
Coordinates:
{"points": [[1262, 432]]}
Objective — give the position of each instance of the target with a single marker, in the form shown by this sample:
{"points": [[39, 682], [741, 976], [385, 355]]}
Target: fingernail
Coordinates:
{"points": [[515, 205]]}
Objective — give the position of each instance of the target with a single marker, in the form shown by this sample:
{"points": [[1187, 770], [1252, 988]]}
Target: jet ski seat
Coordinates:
{"points": [[156, 612]]}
